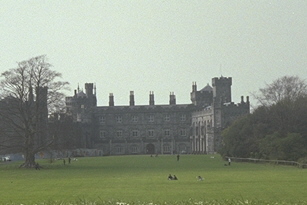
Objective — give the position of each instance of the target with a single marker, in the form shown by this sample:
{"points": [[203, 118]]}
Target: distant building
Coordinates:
{"points": [[214, 111], [155, 129], [18, 118]]}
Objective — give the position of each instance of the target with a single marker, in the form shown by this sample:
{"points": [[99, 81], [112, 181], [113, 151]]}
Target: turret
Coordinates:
{"points": [[193, 93]]}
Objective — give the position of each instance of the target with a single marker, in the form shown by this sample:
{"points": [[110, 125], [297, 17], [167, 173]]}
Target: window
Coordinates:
{"points": [[101, 119], [183, 132], [167, 117], [167, 132], [150, 133], [151, 118], [166, 148], [134, 149], [119, 133], [118, 150], [134, 118], [135, 133], [119, 119], [183, 118], [102, 134]]}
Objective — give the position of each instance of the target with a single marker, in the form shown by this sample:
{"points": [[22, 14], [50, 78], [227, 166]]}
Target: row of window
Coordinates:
{"points": [[150, 133], [151, 118], [135, 150]]}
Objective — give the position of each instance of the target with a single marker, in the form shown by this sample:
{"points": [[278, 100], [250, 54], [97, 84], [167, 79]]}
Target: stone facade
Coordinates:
{"points": [[216, 114], [156, 129]]}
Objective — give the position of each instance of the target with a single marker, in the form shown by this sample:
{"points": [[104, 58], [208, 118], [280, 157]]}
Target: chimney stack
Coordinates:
{"points": [[172, 99], [131, 98], [111, 99], [151, 98], [194, 87]]}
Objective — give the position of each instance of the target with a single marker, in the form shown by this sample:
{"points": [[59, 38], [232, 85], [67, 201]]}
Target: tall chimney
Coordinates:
{"points": [[151, 98], [172, 99], [131, 98], [194, 87], [111, 99]]}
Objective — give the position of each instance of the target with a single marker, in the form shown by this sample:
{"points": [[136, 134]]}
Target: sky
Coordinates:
{"points": [[161, 46]]}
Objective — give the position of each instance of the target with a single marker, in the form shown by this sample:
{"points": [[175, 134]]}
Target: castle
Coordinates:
{"points": [[156, 129]]}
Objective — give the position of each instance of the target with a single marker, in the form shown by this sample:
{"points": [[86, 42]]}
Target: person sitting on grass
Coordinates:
{"points": [[199, 178]]}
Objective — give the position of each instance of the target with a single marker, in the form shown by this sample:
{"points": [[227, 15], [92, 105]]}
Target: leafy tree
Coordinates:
{"points": [[237, 140], [284, 88], [28, 93], [276, 129], [289, 147]]}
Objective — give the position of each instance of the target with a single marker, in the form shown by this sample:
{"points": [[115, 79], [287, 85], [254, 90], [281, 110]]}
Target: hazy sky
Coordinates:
{"points": [[158, 45]]}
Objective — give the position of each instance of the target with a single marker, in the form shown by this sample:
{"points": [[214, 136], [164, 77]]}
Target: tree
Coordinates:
{"points": [[284, 88], [276, 131], [29, 92]]}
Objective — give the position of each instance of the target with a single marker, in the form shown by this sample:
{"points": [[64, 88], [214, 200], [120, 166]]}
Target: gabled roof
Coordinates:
{"points": [[208, 88], [81, 94]]}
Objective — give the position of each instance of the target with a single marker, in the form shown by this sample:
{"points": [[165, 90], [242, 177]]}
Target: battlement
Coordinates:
{"points": [[90, 89], [221, 81]]}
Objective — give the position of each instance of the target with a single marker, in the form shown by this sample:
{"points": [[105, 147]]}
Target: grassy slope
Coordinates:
{"points": [[144, 178]]}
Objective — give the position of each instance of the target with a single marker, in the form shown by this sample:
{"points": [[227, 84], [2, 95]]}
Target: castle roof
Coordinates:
{"points": [[81, 94], [207, 88]]}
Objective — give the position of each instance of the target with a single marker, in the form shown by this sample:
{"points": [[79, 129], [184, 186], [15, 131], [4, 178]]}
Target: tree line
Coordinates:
{"points": [[277, 128]]}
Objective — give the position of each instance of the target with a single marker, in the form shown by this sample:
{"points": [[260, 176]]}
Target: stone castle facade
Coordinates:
{"points": [[156, 129]]}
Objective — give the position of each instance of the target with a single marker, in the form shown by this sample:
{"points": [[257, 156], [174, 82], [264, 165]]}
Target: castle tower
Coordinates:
{"points": [[89, 89], [222, 89]]}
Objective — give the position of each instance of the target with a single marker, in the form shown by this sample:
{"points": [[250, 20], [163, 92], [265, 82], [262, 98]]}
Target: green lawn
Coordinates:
{"points": [[131, 179]]}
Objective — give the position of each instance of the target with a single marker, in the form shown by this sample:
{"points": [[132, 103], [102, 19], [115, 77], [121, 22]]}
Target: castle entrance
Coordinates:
{"points": [[150, 149]]}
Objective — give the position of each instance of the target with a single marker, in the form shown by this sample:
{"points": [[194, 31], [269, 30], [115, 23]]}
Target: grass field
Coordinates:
{"points": [[143, 180]]}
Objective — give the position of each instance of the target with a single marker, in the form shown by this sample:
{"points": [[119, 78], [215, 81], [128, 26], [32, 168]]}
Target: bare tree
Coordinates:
{"points": [[29, 92], [284, 88]]}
